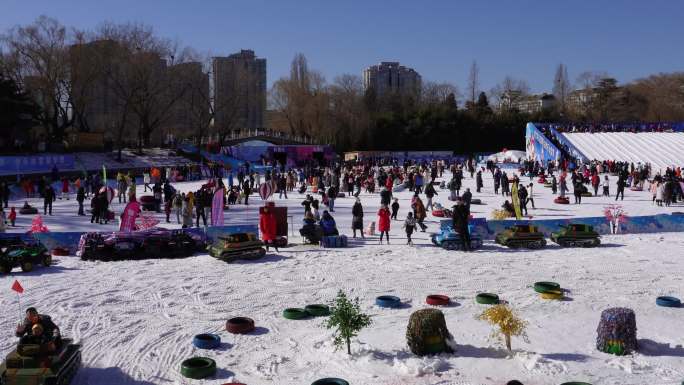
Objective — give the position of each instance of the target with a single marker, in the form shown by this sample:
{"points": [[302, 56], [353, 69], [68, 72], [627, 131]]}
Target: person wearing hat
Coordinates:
{"points": [[357, 217], [46, 328]]}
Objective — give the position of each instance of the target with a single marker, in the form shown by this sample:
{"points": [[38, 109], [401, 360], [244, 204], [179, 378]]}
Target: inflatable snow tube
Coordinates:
{"points": [[438, 213], [636, 188], [28, 210], [60, 251], [562, 200], [437, 300], [545, 286], [330, 381], [317, 310], [587, 194], [667, 301], [487, 298], [198, 368], [240, 325], [389, 301], [575, 383], [206, 341], [295, 313], [341, 195], [148, 202], [476, 201]]}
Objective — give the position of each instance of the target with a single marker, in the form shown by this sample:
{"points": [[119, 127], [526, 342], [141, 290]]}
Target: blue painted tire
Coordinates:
{"points": [[330, 381], [389, 301], [206, 341], [668, 301]]}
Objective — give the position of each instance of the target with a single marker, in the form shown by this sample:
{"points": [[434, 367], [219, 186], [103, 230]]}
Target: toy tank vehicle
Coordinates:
{"points": [[576, 234], [236, 246], [521, 236], [24, 255], [30, 365], [449, 239]]}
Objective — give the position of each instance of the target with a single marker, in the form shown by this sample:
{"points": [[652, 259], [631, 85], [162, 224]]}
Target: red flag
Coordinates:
{"points": [[16, 286]]}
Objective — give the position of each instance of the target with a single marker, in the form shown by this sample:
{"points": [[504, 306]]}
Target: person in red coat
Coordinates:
{"points": [[268, 226], [384, 222]]}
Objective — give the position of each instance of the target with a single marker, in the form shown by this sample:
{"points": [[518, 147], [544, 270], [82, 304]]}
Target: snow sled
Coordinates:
{"points": [[587, 194], [476, 201], [153, 243], [36, 364], [449, 239], [341, 195], [548, 185], [438, 213], [636, 188], [334, 241], [562, 200], [148, 203], [541, 180], [236, 246]]}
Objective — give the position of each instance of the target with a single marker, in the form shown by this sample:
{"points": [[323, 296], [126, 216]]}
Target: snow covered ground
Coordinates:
{"points": [[661, 149], [136, 320]]}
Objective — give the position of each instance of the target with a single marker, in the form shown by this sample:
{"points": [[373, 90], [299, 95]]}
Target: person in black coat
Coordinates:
{"points": [[48, 198], [95, 209], [460, 223], [385, 197], [247, 190], [395, 208], [104, 207], [478, 181], [357, 218], [80, 197], [467, 197]]}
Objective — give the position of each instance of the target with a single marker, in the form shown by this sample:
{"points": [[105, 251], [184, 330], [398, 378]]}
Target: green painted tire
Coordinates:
{"points": [[487, 298], [295, 313], [198, 368], [317, 310], [546, 286]]}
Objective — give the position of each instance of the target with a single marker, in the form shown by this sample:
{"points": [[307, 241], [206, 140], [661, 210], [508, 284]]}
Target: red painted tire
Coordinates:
{"points": [[240, 325], [233, 383], [438, 213], [60, 251], [437, 300]]}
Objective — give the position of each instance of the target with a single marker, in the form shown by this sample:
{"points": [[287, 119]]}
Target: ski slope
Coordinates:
{"points": [[660, 149]]}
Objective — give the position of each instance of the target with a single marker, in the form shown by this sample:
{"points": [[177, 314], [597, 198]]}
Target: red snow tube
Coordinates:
{"points": [[541, 180], [438, 213], [562, 200], [240, 325], [60, 251], [437, 300]]}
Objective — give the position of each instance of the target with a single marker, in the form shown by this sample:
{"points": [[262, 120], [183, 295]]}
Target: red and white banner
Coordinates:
{"points": [[217, 208], [265, 191], [129, 216]]}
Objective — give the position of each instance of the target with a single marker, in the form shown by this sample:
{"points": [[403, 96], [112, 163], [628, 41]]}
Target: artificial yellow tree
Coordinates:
{"points": [[508, 323]]}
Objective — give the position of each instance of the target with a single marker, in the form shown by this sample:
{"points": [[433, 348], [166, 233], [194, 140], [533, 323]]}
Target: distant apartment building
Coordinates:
{"points": [[239, 91], [528, 104], [391, 77]]}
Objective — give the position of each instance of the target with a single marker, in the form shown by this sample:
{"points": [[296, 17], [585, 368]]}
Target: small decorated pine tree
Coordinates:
{"points": [[347, 320], [507, 321]]}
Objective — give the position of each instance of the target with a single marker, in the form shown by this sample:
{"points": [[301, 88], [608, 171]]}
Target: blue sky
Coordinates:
{"points": [[524, 39]]}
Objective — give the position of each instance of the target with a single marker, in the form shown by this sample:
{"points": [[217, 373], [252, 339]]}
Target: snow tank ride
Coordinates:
{"points": [[30, 364], [151, 243], [231, 247], [576, 234], [25, 255], [521, 236], [449, 239]]}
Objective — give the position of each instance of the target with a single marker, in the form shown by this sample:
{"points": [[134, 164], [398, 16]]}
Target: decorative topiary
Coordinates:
{"points": [[347, 320], [427, 332], [616, 332], [508, 322]]}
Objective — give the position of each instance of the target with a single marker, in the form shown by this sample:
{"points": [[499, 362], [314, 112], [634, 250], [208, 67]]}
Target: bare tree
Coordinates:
{"points": [[562, 86], [436, 93], [473, 82], [508, 90], [38, 53]]}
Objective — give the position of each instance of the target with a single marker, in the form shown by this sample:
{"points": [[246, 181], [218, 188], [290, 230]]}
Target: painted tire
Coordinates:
{"points": [[240, 325], [546, 286], [198, 368], [437, 300], [551, 295], [234, 383], [317, 310], [575, 383], [487, 298], [206, 341], [668, 301], [295, 313], [330, 381], [389, 301]]}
